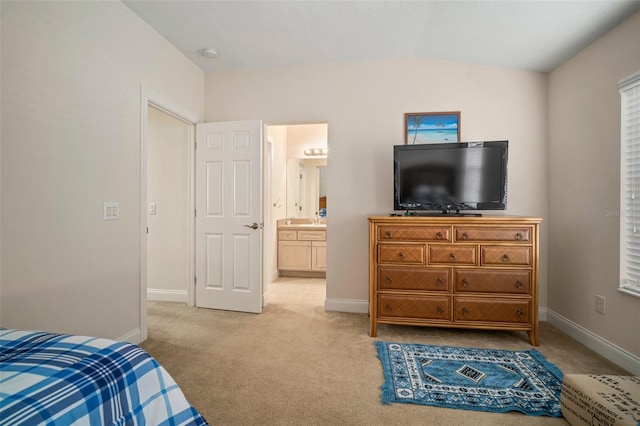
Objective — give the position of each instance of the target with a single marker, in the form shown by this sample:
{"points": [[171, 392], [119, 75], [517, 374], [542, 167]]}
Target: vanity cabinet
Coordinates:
{"points": [[459, 272], [302, 250]]}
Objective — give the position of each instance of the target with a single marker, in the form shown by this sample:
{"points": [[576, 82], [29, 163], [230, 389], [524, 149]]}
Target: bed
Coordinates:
{"points": [[48, 378]]}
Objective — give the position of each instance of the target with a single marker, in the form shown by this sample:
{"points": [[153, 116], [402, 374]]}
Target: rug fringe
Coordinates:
{"points": [[387, 392]]}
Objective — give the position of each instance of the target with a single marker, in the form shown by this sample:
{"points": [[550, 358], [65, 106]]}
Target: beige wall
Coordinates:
{"points": [[71, 76], [364, 105], [584, 171], [168, 146], [303, 136]]}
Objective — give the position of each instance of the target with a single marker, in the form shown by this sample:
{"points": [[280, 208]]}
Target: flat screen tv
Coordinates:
{"points": [[450, 178]]}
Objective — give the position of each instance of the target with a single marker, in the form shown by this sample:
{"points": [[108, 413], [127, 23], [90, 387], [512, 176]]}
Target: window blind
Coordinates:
{"points": [[630, 184]]}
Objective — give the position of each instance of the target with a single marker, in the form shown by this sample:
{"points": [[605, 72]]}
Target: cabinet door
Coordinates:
{"points": [[318, 256], [294, 255]]}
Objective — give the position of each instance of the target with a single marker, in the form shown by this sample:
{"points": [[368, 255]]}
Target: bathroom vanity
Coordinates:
{"points": [[302, 247]]}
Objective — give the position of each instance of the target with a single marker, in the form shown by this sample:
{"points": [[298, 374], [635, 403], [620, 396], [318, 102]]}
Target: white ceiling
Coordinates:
{"points": [[531, 35]]}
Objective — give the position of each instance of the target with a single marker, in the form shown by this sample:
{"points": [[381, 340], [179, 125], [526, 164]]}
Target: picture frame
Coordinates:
{"points": [[431, 127]]}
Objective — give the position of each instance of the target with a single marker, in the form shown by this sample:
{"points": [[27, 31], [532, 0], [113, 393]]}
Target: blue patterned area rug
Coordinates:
{"points": [[470, 378]]}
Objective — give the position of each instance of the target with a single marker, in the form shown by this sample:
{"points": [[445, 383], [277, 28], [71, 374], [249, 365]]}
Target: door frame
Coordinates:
{"points": [[149, 98], [267, 214]]}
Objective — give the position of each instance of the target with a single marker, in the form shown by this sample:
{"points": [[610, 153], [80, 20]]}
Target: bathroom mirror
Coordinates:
{"points": [[305, 187]]}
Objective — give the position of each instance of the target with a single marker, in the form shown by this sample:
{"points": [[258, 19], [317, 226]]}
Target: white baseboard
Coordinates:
{"points": [[347, 305], [159, 295], [542, 314], [133, 336], [613, 353]]}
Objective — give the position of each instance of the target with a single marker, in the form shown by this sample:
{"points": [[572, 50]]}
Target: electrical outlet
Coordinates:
{"points": [[600, 304]]}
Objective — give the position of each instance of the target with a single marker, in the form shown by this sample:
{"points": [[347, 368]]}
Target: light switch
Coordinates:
{"points": [[111, 210], [152, 208]]}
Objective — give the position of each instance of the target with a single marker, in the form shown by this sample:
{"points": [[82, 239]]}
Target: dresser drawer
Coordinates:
{"points": [[287, 235], [409, 306], [420, 279], [505, 255], [492, 281], [452, 254], [401, 253], [492, 310], [409, 233], [312, 235], [470, 233]]}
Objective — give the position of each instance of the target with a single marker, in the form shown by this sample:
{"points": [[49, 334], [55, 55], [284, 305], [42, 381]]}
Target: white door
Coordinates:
{"points": [[229, 216]]}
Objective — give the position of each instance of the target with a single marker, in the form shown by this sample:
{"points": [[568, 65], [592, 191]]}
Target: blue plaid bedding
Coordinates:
{"points": [[59, 379]]}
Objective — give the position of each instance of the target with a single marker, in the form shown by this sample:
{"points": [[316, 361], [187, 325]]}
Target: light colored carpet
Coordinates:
{"points": [[296, 364]]}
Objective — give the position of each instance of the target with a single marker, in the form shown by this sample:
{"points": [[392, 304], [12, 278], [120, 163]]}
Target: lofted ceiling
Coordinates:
{"points": [[532, 35]]}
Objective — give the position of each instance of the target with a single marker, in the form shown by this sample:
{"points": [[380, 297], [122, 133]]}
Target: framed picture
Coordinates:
{"points": [[431, 127]]}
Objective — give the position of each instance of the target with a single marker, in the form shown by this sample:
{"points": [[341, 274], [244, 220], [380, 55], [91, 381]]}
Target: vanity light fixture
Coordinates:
{"points": [[315, 151]]}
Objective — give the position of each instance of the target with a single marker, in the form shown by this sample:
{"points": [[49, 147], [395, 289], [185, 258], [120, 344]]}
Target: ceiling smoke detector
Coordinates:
{"points": [[209, 53]]}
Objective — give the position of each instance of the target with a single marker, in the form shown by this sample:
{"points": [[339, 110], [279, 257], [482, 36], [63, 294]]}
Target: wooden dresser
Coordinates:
{"points": [[459, 271]]}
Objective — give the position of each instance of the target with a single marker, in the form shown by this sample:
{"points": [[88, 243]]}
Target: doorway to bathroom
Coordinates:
{"points": [[299, 211]]}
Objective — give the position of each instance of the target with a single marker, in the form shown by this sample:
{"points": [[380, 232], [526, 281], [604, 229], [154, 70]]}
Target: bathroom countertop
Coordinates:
{"points": [[310, 226]]}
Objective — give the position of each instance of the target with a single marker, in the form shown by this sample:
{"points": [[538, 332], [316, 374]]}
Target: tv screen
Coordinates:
{"points": [[451, 177]]}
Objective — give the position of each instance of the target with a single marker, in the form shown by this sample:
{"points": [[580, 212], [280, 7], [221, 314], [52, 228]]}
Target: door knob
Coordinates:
{"points": [[253, 226]]}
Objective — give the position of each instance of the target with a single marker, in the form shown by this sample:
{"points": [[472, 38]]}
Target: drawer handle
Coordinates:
{"points": [[401, 255], [519, 236], [388, 234], [520, 313], [465, 236], [519, 284], [465, 282], [388, 279], [439, 281], [465, 311], [452, 256], [388, 308], [440, 309], [439, 236], [505, 258]]}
